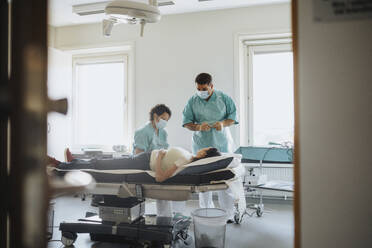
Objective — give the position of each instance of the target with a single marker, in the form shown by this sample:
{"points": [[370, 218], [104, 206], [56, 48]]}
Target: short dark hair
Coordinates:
{"points": [[159, 109], [203, 78], [211, 152]]}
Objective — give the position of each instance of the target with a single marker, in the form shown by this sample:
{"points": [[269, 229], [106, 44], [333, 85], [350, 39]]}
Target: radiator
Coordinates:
{"points": [[282, 173]]}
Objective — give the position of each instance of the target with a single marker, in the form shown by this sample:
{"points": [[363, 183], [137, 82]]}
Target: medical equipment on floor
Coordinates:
{"points": [[256, 158], [121, 213]]}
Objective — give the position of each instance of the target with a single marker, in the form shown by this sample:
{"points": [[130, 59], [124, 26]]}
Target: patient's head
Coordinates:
{"points": [[206, 153]]}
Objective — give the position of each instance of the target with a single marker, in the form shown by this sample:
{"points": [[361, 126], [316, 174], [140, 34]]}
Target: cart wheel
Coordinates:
{"points": [[68, 238], [188, 240], [259, 212], [183, 240], [237, 218]]}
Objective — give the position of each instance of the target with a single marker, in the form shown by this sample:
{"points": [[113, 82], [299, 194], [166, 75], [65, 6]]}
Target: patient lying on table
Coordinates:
{"points": [[163, 162]]}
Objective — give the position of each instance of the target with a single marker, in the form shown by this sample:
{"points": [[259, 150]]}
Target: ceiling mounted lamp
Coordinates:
{"points": [[129, 12]]}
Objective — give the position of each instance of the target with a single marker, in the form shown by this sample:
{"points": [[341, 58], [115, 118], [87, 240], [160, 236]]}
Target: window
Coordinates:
{"points": [[100, 109], [270, 93]]}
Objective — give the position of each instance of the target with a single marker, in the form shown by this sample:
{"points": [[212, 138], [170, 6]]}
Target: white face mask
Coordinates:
{"points": [[161, 124], [203, 94]]}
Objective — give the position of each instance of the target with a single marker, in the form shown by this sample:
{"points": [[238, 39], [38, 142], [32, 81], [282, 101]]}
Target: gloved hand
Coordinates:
{"points": [[205, 126], [218, 125]]}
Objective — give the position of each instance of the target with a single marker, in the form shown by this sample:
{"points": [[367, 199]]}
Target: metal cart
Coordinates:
{"points": [[255, 158]]}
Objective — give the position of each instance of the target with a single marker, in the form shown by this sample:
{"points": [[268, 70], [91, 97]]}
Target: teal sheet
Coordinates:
{"points": [[251, 154]]}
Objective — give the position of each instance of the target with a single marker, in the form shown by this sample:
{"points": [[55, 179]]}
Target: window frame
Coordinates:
{"points": [[100, 59], [252, 46]]}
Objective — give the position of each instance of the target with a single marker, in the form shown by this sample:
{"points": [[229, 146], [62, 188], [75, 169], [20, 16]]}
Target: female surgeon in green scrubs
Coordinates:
{"points": [[153, 135]]}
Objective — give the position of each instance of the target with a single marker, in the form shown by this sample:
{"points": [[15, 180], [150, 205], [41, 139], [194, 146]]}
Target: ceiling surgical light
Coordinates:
{"points": [[129, 12]]}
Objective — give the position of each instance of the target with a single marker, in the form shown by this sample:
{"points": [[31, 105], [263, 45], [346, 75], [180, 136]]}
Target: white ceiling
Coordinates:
{"points": [[60, 11]]}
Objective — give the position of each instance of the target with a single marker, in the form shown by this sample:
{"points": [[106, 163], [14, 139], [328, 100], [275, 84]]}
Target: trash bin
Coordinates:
{"points": [[209, 227]]}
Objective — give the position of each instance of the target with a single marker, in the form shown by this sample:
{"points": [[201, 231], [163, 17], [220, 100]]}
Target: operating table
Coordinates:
{"points": [[121, 212]]}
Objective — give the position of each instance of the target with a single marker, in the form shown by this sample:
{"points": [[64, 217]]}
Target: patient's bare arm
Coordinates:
{"points": [[137, 151], [166, 174], [160, 174]]}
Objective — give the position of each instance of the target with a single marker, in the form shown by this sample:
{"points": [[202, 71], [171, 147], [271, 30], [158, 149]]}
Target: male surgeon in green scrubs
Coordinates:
{"points": [[208, 114]]}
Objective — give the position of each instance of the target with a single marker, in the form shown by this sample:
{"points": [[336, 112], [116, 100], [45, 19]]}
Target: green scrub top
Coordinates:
{"points": [[147, 140], [219, 107]]}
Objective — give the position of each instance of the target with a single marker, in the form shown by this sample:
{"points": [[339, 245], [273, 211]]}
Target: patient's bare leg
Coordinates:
{"points": [[137, 162], [52, 161], [68, 155]]}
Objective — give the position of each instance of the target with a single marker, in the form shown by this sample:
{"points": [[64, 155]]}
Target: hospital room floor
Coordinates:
{"points": [[273, 229]]}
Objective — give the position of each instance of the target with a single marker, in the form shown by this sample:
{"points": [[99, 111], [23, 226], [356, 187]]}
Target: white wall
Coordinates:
{"points": [[59, 86], [173, 51], [335, 125]]}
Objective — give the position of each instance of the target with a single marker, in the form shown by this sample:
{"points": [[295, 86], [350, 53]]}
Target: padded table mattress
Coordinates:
{"points": [[197, 174]]}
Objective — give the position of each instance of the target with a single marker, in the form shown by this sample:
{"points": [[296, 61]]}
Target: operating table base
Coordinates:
{"points": [[147, 231]]}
